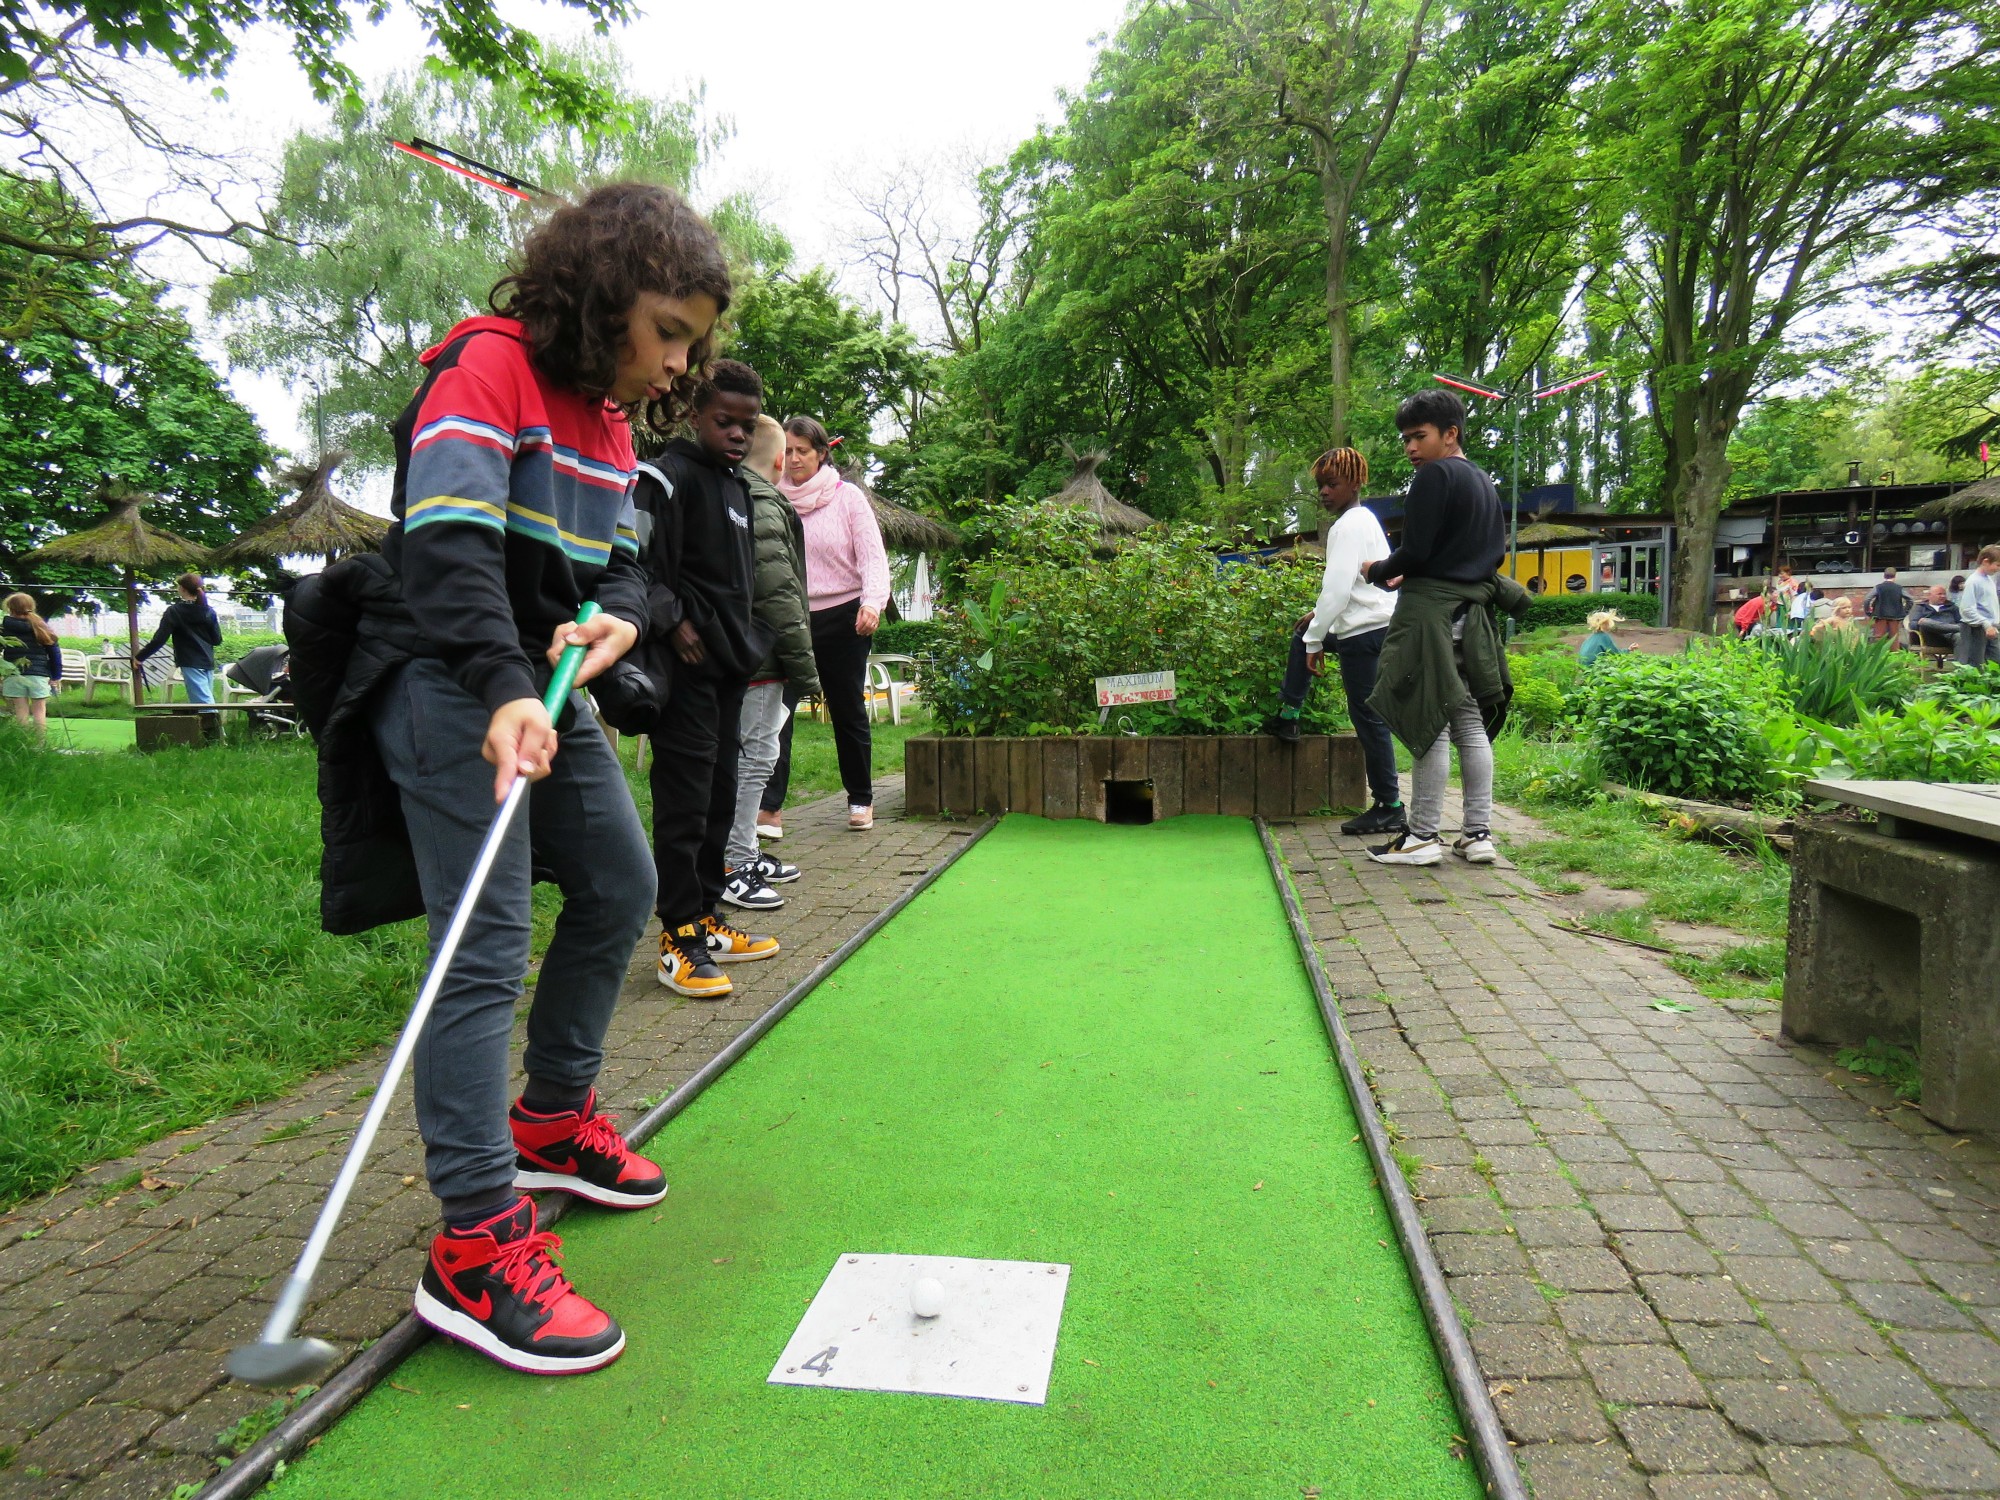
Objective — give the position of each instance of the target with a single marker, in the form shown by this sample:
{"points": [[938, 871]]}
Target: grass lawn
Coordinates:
{"points": [[160, 916], [816, 774], [1684, 880]]}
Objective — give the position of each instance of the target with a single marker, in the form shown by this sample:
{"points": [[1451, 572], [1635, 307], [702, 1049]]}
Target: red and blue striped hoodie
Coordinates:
{"points": [[513, 504]]}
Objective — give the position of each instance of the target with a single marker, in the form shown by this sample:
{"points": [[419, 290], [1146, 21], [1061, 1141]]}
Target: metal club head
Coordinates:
{"points": [[281, 1363]]}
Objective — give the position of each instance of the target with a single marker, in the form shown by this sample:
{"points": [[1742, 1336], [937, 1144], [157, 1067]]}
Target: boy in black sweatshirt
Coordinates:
{"points": [[700, 503]]}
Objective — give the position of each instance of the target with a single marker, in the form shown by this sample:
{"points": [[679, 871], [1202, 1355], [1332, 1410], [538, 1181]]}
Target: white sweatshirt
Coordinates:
{"points": [[1347, 606]]}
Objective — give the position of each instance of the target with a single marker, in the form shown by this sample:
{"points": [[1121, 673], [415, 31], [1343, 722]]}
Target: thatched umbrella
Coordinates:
{"points": [[1085, 489], [317, 524], [903, 529], [1541, 535], [124, 540]]}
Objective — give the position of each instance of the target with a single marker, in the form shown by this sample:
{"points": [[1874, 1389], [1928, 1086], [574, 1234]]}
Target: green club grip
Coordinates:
{"points": [[564, 682]]}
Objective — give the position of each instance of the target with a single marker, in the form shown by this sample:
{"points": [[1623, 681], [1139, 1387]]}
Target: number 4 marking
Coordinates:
{"points": [[822, 1362]]}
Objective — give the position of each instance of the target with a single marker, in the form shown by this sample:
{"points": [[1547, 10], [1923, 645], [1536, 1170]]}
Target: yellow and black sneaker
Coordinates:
{"points": [[731, 945], [686, 966]]}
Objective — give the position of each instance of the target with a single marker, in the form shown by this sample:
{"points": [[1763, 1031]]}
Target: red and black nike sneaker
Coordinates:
{"points": [[581, 1152], [497, 1288]]}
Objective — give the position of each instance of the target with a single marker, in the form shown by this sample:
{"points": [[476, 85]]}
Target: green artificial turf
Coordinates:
{"points": [[1086, 1044]]}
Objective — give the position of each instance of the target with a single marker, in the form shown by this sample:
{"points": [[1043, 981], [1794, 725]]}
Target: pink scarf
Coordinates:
{"points": [[815, 492]]}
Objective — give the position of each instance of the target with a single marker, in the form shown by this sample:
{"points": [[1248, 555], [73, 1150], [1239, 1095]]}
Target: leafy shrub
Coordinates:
{"points": [[1842, 674], [1676, 724], [1960, 687], [1925, 742], [1573, 609], [1539, 707], [908, 637], [1559, 667], [1043, 614]]}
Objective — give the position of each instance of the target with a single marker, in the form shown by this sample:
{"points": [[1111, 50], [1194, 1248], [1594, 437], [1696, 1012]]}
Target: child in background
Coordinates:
{"points": [[25, 639], [1600, 641]]}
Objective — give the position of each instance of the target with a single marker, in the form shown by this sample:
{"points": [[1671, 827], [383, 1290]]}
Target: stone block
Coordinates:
{"points": [[1779, 1411], [1866, 1385], [1895, 938], [1677, 1440], [1935, 1455], [1550, 1411], [1955, 1358], [1642, 1375], [1827, 1474]]}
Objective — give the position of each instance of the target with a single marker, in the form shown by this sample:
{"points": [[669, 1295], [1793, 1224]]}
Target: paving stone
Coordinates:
{"points": [[1982, 1410], [1642, 1374], [87, 1437], [1816, 1327], [1744, 1236], [1870, 1386], [1827, 1474], [1773, 1278], [1502, 1299], [1854, 1262], [1568, 1228], [1524, 1351], [1665, 1252], [1677, 1440], [1538, 1190], [1779, 1411], [148, 1477], [1733, 1351], [1625, 1212], [1609, 1318], [1680, 1166], [120, 1348], [1551, 1411], [1581, 1270], [169, 1382], [33, 1403], [1955, 1358], [1711, 1487], [1935, 1455], [1927, 1242], [1717, 1199], [1977, 1286], [1696, 1299], [1569, 1471], [197, 1429], [1822, 1220]]}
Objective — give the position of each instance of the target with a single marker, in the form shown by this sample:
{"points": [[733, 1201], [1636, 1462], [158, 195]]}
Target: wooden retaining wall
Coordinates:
{"points": [[1238, 774]]}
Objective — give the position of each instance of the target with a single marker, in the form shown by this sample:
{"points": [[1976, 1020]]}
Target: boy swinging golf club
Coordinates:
{"points": [[514, 510]]}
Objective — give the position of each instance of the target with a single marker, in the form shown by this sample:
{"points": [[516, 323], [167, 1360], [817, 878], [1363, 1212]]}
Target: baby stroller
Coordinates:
{"points": [[266, 674]]}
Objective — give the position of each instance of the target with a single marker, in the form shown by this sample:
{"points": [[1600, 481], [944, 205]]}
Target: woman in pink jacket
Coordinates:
{"points": [[847, 584]]}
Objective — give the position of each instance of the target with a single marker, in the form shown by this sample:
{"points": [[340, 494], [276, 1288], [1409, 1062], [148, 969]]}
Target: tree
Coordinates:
{"points": [[134, 401], [1332, 75], [1752, 156], [823, 356], [377, 255]]}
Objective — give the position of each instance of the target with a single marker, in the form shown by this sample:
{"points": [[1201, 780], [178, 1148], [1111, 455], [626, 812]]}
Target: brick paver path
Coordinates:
{"points": [[1698, 1264], [120, 1295]]}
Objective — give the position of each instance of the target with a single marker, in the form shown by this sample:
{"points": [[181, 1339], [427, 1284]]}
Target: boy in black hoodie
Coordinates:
{"points": [[700, 504]]}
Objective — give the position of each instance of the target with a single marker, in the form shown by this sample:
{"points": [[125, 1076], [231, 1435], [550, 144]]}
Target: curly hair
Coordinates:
{"points": [[730, 375], [1341, 466], [581, 269]]}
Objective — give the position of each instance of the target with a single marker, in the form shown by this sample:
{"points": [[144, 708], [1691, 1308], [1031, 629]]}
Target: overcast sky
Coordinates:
{"points": [[820, 94]]}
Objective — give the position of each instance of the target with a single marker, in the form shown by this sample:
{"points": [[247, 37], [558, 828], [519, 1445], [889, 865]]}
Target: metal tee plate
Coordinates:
{"points": [[994, 1341]]}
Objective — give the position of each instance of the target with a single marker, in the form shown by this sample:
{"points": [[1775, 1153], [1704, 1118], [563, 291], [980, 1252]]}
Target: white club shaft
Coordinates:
{"points": [[292, 1296]]}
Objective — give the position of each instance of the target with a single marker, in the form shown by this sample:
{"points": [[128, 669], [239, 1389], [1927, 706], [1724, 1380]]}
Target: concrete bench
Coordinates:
{"points": [[1895, 934]]}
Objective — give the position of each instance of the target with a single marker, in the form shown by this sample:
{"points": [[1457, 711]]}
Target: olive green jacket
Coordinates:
{"points": [[779, 596], [1422, 678]]}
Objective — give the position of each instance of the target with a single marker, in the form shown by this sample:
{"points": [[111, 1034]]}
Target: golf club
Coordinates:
{"points": [[278, 1359]]}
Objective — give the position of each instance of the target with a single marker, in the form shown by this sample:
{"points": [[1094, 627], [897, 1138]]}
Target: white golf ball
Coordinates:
{"points": [[927, 1297]]}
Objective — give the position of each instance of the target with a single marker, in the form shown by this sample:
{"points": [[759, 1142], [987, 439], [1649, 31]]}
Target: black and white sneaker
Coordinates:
{"points": [[1383, 817], [1475, 846], [747, 888], [1409, 849], [775, 871]]}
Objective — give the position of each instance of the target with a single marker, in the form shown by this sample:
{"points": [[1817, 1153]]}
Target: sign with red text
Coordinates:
{"points": [[1135, 687]]}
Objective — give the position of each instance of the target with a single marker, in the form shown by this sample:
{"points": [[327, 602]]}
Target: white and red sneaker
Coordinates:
{"points": [[497, 1288], [581, 1152]]}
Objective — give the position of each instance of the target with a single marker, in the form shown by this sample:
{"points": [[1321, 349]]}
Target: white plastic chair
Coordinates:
{"points": [[881, 679]]}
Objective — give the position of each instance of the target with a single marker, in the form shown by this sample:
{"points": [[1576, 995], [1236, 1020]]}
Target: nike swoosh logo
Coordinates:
{"points": [[482, 1309]]}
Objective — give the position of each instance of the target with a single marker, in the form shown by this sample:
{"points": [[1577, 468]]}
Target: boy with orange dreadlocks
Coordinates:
{"points": [[1356, 615]]}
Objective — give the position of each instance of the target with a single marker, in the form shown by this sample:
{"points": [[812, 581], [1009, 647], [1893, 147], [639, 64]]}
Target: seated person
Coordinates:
{"points": [[1934, 621], [1600, 641]]}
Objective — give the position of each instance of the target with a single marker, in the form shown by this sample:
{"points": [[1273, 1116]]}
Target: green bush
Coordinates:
{"points": [[1559, 667], [1538, 707], [1676, 724], [1925, 742], [908, 637], [1961, 687], [1043, 614], [1842, 674], [235, 644], [1572, 609]]}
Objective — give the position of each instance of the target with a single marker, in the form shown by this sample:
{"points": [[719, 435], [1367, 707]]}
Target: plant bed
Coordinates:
{"points": [[1129, 777]]}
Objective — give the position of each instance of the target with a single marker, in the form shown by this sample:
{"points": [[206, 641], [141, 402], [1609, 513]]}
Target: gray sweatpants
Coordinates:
{"points": [[581, 826], [1466, 729], [757, 752]]}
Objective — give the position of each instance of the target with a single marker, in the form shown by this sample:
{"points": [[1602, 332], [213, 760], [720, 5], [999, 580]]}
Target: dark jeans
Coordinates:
{"points": [[842, 657], [693, 776], [1360, 656], [580, 825], [780, 781]]}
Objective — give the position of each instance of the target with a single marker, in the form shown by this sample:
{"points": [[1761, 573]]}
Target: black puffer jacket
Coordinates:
{"points": [[349, 632]]}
